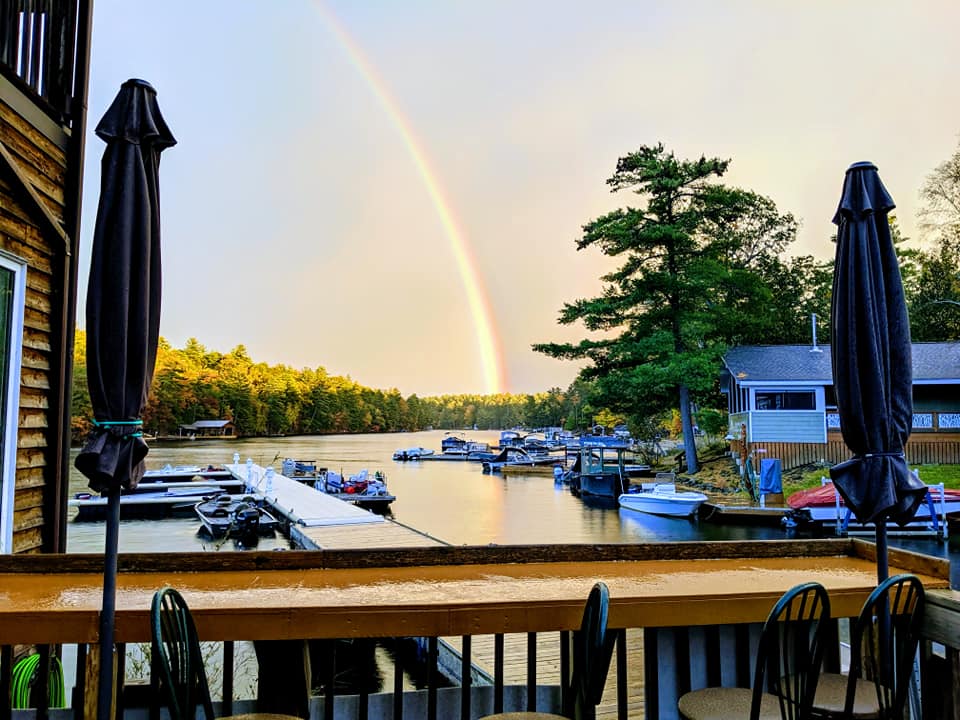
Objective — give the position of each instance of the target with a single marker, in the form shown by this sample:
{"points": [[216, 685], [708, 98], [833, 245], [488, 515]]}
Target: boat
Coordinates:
{"points": [[414, 453], [601, 470], [151, 500], [663, 499], [361, 489], [518, 456], [823, 507], [239, 516], [185, 473]]}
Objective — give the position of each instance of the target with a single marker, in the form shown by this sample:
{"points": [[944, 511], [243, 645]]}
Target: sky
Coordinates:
{"points": [[393, 190]]}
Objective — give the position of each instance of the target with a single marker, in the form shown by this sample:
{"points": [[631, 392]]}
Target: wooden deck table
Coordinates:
{"points": [[441, 591]]}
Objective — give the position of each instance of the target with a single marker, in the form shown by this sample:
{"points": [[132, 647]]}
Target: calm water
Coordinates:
{"points": [[453, 501]]}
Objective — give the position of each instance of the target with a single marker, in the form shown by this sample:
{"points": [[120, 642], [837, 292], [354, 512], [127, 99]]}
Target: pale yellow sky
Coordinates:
{"points": [[294, 219]]}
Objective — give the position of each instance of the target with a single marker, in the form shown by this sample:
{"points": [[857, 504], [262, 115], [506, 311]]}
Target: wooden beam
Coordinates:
{"points": [[48, 220]]}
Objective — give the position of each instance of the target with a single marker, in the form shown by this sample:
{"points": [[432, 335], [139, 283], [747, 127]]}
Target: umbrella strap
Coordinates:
{"points": [[882, 454], [115, 423]]}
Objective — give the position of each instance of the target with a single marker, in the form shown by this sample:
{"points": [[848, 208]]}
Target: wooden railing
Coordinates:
{"points": [[37, 49], [653, 663]]}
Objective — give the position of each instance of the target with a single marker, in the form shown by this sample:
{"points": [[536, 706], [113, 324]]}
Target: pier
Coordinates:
{"points": [[318, 521]]}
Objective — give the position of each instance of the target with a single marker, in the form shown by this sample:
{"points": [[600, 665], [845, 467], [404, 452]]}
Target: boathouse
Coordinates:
{"points": [[44, 62], [780, 400], [209, 429]]}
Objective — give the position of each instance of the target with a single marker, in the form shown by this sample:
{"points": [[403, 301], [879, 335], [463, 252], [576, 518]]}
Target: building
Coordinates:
{"points": [[44, 61], [781, 399], [209, 429]]}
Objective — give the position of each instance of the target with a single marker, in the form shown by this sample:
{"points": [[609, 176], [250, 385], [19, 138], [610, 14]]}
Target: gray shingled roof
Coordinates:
{"points": [[786, 363], [207, 424]]}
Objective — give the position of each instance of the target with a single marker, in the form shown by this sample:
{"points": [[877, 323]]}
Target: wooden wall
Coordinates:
{"points": [[25, 233]]}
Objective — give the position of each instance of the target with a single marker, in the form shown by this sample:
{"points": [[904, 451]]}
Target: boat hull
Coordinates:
{"points": [[608, 485], [675, 505]]}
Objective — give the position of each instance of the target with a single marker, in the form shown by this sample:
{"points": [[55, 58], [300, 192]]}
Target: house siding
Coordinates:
{"points": [[43, 163], [799, 426]]}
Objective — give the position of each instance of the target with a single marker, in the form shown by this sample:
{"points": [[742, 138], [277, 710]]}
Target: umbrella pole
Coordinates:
{"points": [[108, 611], [883, 570]]}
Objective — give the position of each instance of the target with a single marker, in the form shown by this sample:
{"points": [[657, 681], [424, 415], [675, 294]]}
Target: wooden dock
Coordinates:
{"points": [[322, 522]]}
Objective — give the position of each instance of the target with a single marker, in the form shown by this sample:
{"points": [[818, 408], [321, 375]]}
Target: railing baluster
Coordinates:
{"points": [[6, 669], [43, 682], [363, 711], [398, 680], [119, 679], [228, 662], [80, 684], [330, 680], [566, 696], [622, 674], [432, 657], [531, 671], [466, 675], [498, 673]]}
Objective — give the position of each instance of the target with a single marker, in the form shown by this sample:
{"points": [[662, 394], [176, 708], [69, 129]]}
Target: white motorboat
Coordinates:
{"points": [[663, 499]]}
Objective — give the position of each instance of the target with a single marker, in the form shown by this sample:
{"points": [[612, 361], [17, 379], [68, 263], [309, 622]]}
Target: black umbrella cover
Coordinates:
{"points": [[871, 354], [123, 295]]}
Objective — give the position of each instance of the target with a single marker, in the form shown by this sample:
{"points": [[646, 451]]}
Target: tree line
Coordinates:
{"points": [[193, 383]]}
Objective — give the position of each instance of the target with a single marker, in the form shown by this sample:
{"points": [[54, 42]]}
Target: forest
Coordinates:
{"points": [[194, 383]]}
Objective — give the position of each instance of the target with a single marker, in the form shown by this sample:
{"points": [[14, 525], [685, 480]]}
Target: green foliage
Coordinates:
{"points": [[699, 271], [194, 383]]}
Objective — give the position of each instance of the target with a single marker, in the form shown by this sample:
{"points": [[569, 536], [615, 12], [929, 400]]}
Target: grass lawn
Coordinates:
{"points": [[718, 473], [949, 475]]}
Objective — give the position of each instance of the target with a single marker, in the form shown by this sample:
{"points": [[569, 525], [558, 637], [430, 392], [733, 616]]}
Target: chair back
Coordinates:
{"points": [[883, 643], [176, 659], [592, 651], [791, 650]]}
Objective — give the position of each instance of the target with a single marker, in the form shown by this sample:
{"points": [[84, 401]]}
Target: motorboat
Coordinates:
{"points": [[824, 506], [518, 456], [185, 473], [362, 489], [414, 453], [239, 516], [663, 499]]}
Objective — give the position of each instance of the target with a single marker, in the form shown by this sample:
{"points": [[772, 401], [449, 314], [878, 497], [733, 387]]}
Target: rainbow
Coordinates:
{"points": [[491, 356]]}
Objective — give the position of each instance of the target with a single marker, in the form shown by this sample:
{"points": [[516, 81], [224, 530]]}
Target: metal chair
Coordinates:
{"points": [[592, 651], [883, 644], [177, 659], [787, 665]]}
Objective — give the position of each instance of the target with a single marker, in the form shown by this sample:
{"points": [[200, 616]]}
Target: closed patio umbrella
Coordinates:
{"points": [[872, 360], [123, 321]]}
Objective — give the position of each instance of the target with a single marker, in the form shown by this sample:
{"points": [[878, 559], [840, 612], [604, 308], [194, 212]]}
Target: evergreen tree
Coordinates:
{"points": [[687, 284]]}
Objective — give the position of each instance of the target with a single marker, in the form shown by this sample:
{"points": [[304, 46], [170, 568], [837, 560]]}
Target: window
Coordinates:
{"points": [[13, 277], [787, 400]]}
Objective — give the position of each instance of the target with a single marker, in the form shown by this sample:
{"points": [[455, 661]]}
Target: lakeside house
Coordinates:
{"points": [[780, 399], [44, 63], [219, 429]]}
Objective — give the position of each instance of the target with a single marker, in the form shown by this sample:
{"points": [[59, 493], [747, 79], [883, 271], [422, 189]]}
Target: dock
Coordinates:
{"points": [[318, 521]]}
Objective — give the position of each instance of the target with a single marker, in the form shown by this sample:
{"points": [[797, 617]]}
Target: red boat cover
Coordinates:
{"points": [[825, 495]]}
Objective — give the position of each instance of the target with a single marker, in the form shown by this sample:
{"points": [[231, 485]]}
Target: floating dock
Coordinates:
{"points": [[320, 521]]}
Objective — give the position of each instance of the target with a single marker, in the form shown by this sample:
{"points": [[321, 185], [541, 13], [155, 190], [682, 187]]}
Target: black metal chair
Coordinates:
{"points": [[179, 663], [883, 645], [592, 651], [787, 665]]}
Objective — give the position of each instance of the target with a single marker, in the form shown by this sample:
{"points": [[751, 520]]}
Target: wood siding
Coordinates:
{"points": [[22, 233]]}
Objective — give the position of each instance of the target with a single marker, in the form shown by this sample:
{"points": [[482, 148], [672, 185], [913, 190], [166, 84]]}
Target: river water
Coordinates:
{"points": [[453, 501]]}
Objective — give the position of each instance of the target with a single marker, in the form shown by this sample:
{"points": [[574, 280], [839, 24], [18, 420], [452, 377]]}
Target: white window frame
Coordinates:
{"points": [[8, 463]]}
